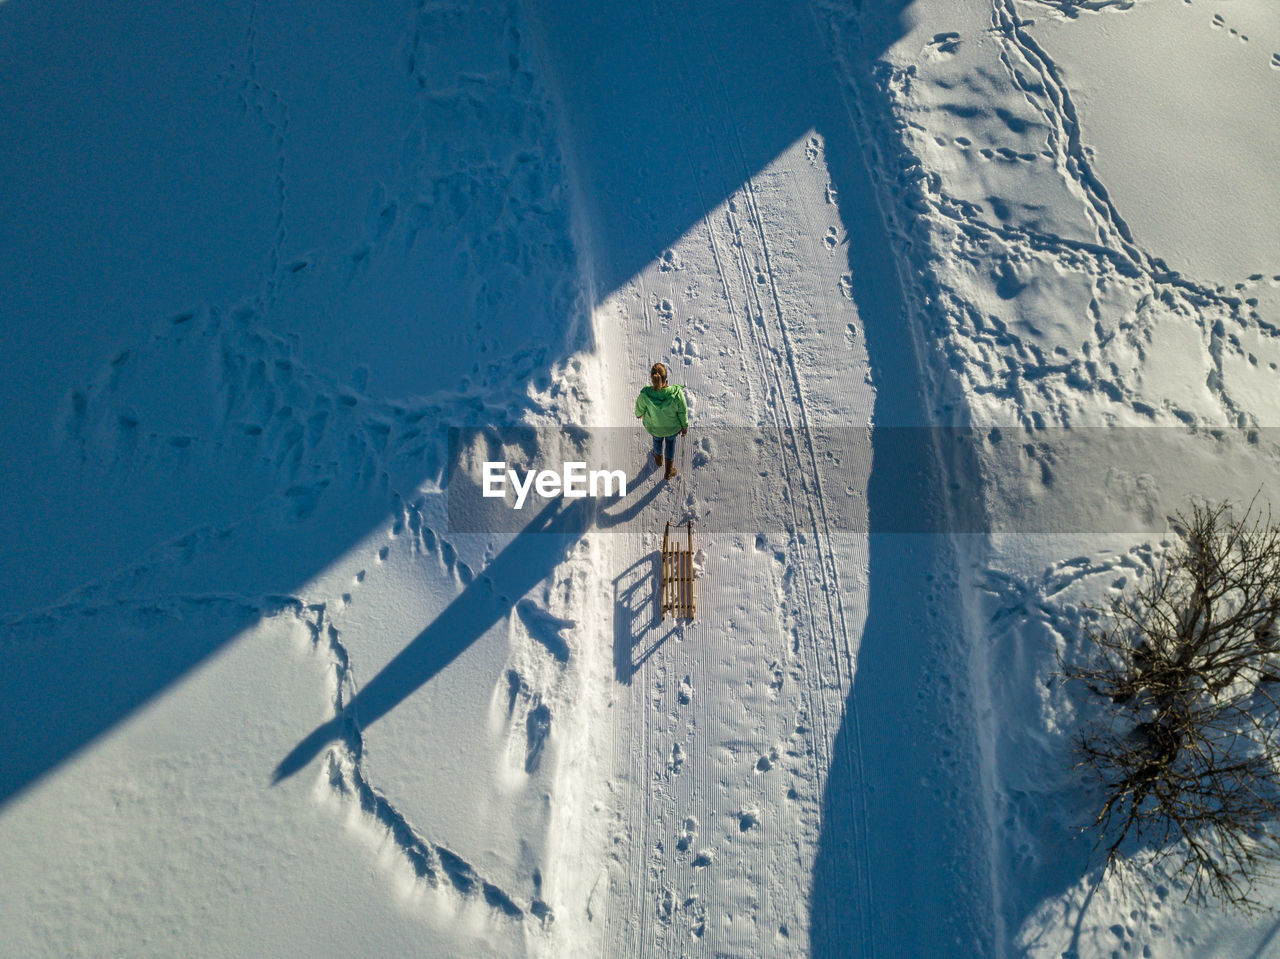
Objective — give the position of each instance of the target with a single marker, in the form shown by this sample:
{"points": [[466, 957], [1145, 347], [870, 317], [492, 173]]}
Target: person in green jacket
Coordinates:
{"points": [[663, 411]]}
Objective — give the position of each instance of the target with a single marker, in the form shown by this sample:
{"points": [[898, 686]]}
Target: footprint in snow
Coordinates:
{"points": [[385, 220], [687, 349], [688, 833], [537, 727], [766, 761], [686, 692], [945, 43], [545, 629], [813, 149], [696, 913], [666, 905]]}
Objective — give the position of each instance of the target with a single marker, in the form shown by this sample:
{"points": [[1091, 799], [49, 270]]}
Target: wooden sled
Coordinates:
{"points": [[677, 573]]}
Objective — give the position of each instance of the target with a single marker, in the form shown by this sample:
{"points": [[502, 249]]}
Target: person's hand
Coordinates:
{"points": [[685, 431]]}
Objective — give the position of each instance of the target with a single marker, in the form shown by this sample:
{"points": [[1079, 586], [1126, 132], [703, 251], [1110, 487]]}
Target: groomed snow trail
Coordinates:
{"points": [[730, 228], [726, 726]]}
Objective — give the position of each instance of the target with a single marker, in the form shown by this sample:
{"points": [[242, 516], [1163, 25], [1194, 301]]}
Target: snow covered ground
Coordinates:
{"points": [[1088, 184], [968, 298]]}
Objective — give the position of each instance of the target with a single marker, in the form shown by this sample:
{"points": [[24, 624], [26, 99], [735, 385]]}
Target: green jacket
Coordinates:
{"points": [[663, 411]]}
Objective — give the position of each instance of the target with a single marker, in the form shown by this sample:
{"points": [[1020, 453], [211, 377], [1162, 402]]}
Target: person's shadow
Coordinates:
{"points": [[528, 559], [607, 520]]}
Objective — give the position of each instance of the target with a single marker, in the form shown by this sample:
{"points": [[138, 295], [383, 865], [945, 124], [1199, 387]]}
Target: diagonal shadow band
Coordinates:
{"points": [[523, 563]]}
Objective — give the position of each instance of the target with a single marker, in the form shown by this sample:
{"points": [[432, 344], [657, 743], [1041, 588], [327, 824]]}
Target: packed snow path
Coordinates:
{"points": [[793, 772]]}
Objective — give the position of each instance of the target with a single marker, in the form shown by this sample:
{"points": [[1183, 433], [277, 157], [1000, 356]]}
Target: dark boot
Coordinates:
{"points": [[671, 470], [657, 459]]}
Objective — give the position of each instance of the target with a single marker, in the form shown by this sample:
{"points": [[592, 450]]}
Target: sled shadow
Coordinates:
{"points": [[637, 616]]}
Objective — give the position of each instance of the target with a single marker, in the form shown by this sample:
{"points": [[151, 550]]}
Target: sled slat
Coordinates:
{"points": [[688, 568], [677, 574]]}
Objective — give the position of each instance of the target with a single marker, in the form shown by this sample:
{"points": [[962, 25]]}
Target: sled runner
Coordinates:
{"points": [[677, 572]]}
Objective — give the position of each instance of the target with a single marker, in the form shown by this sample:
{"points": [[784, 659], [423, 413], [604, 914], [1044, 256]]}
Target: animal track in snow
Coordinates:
{"points": [[433, 863], [775, 678], [696, 915], [1219, 23], [251, 411], [1006, 155], [385, 219], [813, 149], [269, 108], [944, 43]]}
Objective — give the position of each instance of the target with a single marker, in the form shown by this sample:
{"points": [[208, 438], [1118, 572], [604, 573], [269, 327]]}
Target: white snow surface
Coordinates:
{"points": [[268, 694]]}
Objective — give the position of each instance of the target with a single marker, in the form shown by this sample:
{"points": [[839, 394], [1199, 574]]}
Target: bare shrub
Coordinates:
{"points": [[1187, 667]]}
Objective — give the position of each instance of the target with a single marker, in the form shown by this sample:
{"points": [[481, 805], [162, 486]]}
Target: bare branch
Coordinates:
{"points": [[1187, 666]]}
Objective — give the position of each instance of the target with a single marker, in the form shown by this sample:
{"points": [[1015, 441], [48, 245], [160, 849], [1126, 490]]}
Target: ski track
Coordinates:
{"points": [[681, 759], [799, 477]]}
